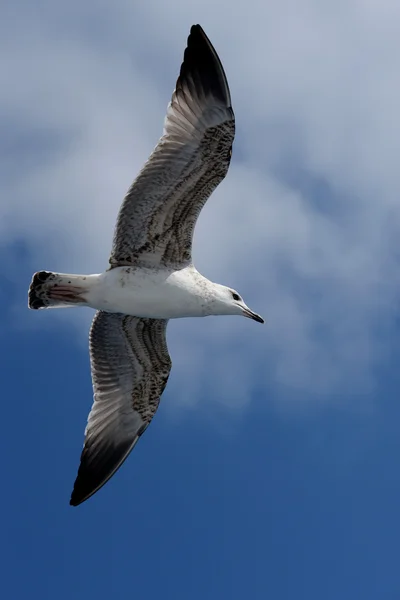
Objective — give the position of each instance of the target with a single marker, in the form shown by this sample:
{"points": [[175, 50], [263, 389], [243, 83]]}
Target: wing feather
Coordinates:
{"points": [[130, 368], [157, 217]]}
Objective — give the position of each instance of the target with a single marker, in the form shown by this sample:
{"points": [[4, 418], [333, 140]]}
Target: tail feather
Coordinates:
{"points": [[56, 290]]}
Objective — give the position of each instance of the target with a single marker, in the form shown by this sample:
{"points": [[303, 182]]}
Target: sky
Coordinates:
{"points": [[271, 469]]}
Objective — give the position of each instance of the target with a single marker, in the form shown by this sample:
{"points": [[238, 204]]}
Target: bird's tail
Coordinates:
{"points": [[57, 290]]}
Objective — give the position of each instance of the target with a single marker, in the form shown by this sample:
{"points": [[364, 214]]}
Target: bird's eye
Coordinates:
{"points": [[235, 296]]}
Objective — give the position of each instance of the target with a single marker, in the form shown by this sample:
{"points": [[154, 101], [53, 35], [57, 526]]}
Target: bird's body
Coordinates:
{"points": [[151, 277], [153, 293], [163, 293]]}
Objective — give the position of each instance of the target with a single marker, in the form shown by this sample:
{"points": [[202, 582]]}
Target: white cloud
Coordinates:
{"points": [[316, 90]]}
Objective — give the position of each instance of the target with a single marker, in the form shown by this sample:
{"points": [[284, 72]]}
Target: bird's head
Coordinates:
{"points": [[227, 301]]}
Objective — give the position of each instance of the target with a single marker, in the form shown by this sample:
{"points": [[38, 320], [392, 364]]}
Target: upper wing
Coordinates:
{"points": [[130, 368], [156, 220]]}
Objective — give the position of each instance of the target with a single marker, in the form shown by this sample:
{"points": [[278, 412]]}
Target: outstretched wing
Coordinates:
{"points": [[156, 220], [130, 368]]}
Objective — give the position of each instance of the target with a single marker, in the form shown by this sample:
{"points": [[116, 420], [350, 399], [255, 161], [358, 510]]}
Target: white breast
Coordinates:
{"points": [[151, 293]]}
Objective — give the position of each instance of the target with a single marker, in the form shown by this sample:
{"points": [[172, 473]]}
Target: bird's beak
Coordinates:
{"points": [[252, 315]]}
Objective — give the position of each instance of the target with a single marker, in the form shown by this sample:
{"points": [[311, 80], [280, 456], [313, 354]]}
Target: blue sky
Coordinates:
{"points": [[271, 467]]}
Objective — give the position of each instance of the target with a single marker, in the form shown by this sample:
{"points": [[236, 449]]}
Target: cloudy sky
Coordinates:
{"points": [[272, 465]]}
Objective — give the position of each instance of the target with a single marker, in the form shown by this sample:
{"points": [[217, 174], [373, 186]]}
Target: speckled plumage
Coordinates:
{"points": [[130, 368], [157, 217], [151, 277]]}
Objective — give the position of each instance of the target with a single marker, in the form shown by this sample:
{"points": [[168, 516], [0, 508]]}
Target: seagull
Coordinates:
{"points": [[151, 277]]}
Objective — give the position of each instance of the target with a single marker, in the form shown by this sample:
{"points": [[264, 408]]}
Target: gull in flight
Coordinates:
{"points": [[151, 277]]}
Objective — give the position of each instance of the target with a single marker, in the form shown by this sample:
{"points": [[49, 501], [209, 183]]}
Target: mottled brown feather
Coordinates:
{"points": [[130, 367], [158, 215]]}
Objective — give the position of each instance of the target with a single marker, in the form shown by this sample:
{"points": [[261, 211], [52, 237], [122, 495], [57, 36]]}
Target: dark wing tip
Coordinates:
{"points": [[201, 64], [96, 468]]}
